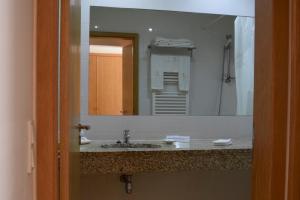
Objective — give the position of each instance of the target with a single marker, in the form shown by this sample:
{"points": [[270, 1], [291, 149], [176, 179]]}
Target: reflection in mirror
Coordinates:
{"points": [[146, 62], [112, 74]]}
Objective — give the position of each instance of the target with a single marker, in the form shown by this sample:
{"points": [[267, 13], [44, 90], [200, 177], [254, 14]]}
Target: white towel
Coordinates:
{"points": [[167, 42], [168, 63], [178, 138], [222, 142], [157, 80], [84, 140]]}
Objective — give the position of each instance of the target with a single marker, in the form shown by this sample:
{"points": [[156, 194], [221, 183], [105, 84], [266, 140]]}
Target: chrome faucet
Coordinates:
{"points": [[126, 136]]}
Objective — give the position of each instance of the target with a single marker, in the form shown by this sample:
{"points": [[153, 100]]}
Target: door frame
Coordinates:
{"points": [[46, 100], [277, 101], [276, 105], [135, 39]]}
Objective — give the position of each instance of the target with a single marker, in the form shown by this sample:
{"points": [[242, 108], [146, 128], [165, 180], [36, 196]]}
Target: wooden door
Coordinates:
{"points": [[105, 84], [92, 97], [109, 82], [128, 80], [70, 100], [293, 168], [276, 161]]}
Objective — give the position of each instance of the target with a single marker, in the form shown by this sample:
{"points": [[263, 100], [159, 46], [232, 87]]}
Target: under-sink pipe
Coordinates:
{"points": [[127, 179]]}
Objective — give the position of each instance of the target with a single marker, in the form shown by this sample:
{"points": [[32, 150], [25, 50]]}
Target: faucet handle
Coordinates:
{"points": [[126, 133]]}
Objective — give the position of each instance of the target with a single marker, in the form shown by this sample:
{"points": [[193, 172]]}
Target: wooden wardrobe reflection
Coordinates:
{"points": [[111, 83]]}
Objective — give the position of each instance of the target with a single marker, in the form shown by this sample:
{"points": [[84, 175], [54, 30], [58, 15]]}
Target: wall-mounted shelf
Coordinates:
{"points": [[151, 47]]}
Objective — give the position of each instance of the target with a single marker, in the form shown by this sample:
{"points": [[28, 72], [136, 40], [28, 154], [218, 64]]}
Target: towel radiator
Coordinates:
{"points": [[170, 101]]}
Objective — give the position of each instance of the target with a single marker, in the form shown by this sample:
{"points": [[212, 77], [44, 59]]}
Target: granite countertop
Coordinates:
{"points": [[192, 156]]}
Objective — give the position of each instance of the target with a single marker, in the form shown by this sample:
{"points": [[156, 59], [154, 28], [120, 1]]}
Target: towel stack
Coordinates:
{"points": [[166, 42]]}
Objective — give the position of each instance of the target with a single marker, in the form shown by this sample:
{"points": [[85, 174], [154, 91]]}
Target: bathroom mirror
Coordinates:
{"points": [[150, 62]]}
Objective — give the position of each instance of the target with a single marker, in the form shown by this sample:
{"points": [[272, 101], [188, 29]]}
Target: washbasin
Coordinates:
{"points": [[131, 145]]}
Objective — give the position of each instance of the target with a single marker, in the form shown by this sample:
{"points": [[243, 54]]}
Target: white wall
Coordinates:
{"points": [[225, 7], [16, 102], [206, 63], [84, 55]]}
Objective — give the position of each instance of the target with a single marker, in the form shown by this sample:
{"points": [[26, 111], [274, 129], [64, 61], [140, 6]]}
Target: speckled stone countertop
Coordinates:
{"points": [[192, 156]]}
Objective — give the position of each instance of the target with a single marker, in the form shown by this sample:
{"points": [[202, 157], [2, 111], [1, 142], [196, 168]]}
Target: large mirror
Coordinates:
{"points": [[149, 62]]}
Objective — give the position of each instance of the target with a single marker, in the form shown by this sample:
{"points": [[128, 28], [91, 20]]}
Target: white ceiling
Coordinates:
{"points": [[222, 7]]}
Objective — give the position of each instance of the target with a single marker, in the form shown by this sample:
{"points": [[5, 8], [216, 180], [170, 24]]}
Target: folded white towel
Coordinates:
{"points": [[167, 63], [178, 138], [84, 140], [222, 142], [167, 42]]}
